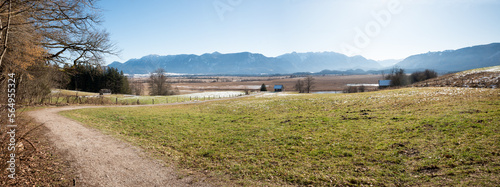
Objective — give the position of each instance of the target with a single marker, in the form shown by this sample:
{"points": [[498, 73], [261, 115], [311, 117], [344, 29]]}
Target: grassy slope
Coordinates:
{"points": [[425, 136], [486, 77]]}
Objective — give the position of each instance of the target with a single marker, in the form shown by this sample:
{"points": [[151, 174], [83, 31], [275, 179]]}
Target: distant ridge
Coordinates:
{"points": [[255, 63], [245, 63], [455, 60]]}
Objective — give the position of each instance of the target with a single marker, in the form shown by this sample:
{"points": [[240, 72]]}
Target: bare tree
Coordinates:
{"points": [[158, 83], [4, 35], [398, 77], [42, 32], [69, 32], [136, 87], [66, 29], [299, 86], [309, 84]]}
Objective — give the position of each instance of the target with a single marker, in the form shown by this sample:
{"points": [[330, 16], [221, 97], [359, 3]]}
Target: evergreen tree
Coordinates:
{"points": [[263, 88], [125, 88], [94, 78]]}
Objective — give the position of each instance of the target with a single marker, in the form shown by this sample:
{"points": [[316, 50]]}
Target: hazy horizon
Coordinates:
{"points": [[381, 30]]}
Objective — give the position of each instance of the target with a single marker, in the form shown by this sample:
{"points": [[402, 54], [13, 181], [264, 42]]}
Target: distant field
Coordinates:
{"points": [[405, 137], [226, 83]]}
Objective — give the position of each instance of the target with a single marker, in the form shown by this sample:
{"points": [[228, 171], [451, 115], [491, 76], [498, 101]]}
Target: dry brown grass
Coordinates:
{"points": [[37, 161], [225, 83]]}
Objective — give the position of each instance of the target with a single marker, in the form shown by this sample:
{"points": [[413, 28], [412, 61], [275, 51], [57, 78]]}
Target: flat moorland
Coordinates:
{"points": [[410, 137], [232, 83]]}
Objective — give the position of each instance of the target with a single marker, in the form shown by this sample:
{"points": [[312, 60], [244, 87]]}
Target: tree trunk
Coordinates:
{"points": [[6, 35]]}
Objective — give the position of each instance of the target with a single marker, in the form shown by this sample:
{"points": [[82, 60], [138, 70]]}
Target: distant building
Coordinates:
{"points": [[279, 88], [105, 92], [384, 83]]}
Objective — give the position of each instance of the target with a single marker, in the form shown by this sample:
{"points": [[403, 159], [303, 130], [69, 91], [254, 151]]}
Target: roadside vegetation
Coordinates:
{"points": [[38, 162], [403, 137]]}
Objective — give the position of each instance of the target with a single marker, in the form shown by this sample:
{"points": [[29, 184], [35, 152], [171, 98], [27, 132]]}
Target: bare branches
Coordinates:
{"points": [[67, 29], [159, 84], [38, 33], [305, 85], [70, 27], [5, 34], [309, 84]]}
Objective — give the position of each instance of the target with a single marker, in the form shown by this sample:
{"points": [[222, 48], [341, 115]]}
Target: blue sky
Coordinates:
{"points": [[375, 29]]}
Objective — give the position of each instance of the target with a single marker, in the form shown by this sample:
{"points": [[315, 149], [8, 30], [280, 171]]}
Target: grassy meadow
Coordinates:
{"points": [[411, 136], [124, 99], [59, 96]]}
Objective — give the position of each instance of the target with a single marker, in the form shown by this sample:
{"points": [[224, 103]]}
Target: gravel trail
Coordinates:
{"points": [[101, 160]]}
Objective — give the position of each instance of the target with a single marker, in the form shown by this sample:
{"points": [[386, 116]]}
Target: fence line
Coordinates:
{"points": [[102, 100]]}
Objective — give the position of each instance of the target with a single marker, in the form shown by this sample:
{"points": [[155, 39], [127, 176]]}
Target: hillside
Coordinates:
{"points": [[455, 60], [403, 137], [477, 78]]}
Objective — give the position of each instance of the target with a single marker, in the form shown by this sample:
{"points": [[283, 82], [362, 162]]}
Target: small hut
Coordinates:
{"points": [[384, 83], [105, 92], [279, 88]]}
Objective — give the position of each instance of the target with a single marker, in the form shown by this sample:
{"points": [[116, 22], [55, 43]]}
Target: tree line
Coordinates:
{"points": [[398, 76], [94, 78]]}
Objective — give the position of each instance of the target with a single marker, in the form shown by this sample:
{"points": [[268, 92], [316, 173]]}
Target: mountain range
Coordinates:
{"points": [[255, 63], [455, 60]]}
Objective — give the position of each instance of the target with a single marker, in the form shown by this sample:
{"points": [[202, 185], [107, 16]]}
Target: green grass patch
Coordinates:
{"points": [[424, 136], [66, 97]]}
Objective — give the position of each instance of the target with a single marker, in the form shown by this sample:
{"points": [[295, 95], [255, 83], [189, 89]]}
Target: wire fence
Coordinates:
{"points": [[124, 99]]}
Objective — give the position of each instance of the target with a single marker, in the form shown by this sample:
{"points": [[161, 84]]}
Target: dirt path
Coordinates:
{"points": [[101, 160]]}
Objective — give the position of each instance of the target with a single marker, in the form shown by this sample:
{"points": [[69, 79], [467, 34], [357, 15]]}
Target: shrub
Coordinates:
{"points": [[423, 75], [398, 77]]}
